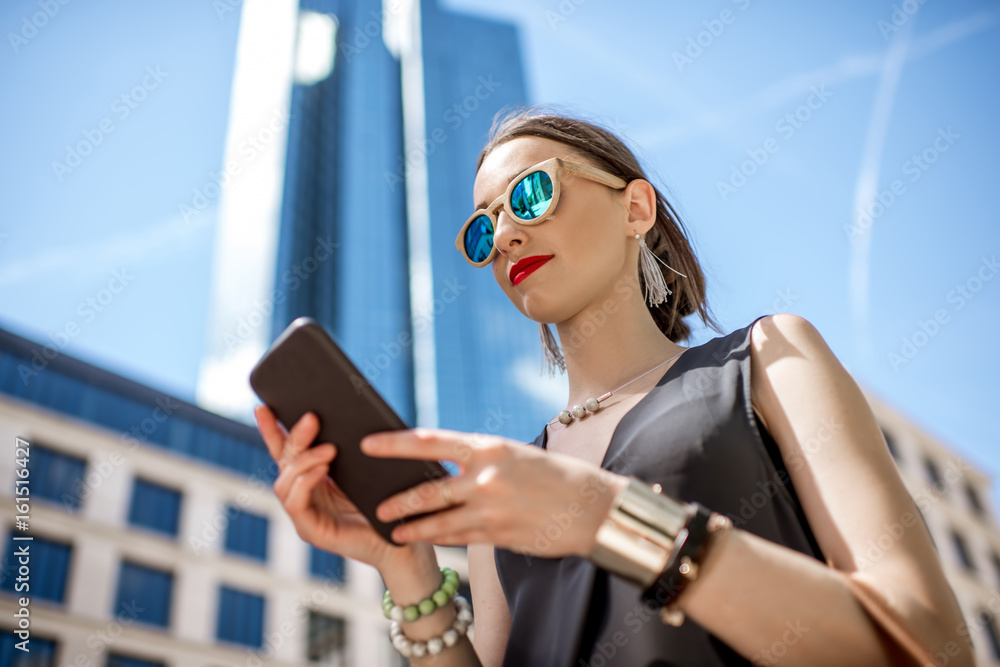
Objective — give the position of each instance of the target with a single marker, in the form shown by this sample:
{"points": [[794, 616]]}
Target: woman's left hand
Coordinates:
{"points": [[509, 493]]}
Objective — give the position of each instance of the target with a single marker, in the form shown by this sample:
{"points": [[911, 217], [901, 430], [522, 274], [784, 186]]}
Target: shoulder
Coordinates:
{"points": [[777, 335]]}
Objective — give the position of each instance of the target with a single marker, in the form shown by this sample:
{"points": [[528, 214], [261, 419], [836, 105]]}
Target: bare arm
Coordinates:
{"points": [[768, 601], [410, 582], [492, 614]]}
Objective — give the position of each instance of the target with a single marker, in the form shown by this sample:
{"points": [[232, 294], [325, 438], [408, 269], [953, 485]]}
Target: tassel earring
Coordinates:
{"points": [[553, 356], [656, 286]]}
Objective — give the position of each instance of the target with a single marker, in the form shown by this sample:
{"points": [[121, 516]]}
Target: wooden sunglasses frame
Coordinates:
{"points": [[552, 167]]}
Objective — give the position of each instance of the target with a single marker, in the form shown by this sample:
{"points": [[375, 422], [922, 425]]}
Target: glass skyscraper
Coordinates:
{"points": [[392, 199]]}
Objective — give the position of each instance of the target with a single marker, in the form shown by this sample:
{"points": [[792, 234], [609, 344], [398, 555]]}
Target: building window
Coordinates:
{"points": [[990, 630], [327, 640], [42, 652], [933, 474], [48, 568], [144, 594], [246, 534], [963, 551], [241, 617], [118, 660], [155, 507], [326, 565], [891, 444], [974, 502], [56, 476]]}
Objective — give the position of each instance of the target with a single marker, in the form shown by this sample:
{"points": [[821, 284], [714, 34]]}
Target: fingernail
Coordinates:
{"points": [[369, 444]]}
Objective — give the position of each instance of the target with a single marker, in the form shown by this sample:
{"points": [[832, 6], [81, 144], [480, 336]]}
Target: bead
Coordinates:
{"points": [[449, 588], [450, 637], [591, 404], [578, 411], [396, 614], [465, 616], [435, 646], [411, 613], [440, 598], [565, 417], [426, 607], [461, 628], [419, 649]]}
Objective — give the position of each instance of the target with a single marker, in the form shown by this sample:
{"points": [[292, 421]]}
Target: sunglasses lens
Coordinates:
{"points": [[531, 196], [479, 239]]}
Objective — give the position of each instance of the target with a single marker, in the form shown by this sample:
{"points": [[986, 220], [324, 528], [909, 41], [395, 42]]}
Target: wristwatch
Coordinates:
{"points": [[655, 542]]}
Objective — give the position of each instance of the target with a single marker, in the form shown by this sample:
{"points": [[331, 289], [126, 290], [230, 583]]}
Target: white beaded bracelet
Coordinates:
{"points": [[409, 648]]}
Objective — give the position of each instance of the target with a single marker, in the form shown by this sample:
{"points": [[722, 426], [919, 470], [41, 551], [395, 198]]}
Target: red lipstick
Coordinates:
{"points": [[526, 266]]}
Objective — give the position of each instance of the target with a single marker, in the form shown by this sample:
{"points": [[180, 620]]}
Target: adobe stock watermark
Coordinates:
{"points": [[704, 39], [88, 310], [790, 637], [248, 149], [786, 127], [565, 9], [121, 107], [926, 329], [291, 279], [31, 25], [372, 367], [98, 472], [901, 14], [454, 117], [224, 7], [914, 167]]}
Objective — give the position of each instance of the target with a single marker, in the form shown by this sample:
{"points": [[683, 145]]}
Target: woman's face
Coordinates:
{"points": [[586, 235]]}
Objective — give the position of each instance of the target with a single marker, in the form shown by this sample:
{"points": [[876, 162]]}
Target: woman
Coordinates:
{"points": [[763, 426]]}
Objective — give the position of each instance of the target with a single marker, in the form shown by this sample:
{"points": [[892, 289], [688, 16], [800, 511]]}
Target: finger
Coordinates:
{"points": [[274, 436], [302, 435], [430, 528], [300, 495], [426, 497], [319, 456], [424, 444]]}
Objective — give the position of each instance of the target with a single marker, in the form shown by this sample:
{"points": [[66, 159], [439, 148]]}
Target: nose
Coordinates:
{"points": [[507, 233]]}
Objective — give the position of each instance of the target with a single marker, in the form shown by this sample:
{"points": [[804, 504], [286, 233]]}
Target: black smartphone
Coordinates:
{"points": [[304, 370]]}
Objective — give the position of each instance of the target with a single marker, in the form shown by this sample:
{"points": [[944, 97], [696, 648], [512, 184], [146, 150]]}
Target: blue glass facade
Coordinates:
{"points": [[42, 652], [345, 135], [155, 507], [481, 334], [55, 476], [346, 180], [144, 593], [326, 565], [246, 533], [241, 617], [49, 567], [139, 414]]}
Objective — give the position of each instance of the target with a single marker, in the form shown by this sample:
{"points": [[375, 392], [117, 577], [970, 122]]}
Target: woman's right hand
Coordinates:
{"points": [[322, 514]]}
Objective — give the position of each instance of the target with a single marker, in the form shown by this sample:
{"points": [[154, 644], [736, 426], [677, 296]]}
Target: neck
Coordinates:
{"points": [[613, 341]]}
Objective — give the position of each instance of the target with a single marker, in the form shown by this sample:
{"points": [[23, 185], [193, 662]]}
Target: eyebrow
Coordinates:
{"points": [[507, 180]]}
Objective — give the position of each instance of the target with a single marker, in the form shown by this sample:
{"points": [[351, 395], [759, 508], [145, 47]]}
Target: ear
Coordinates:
{"points": [[640, 202]]}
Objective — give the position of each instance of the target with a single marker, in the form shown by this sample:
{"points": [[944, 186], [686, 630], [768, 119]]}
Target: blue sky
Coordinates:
{"points": [[770, 123]]}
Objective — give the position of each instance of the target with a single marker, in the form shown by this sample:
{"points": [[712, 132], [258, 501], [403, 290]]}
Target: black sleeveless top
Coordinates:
{"points": [[695, 433]]}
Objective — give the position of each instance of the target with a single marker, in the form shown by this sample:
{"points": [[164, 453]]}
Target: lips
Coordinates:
{"points": [[525, 267]]}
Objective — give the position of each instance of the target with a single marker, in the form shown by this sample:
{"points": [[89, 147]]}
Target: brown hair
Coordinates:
{"points": [[667, 238]]}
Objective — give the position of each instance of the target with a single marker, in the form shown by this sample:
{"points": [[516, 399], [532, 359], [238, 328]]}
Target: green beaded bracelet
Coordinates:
{"points": [[428, 605]]}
